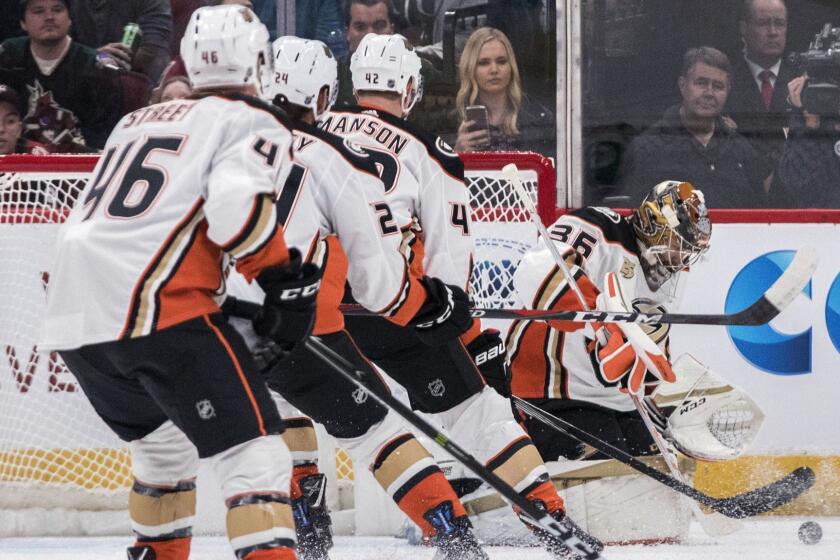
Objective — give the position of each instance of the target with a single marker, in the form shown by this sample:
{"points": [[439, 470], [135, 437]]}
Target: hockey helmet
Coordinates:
{"points": [[387, 63], [673, 224], [302, 67], [226, 46]]}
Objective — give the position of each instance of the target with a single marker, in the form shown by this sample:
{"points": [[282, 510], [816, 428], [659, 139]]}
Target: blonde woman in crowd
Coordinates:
{"points": [[490, 79]]}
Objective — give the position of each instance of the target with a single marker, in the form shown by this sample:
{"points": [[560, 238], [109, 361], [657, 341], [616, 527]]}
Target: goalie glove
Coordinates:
{"points": [[444, 316], [622, 354], [488, 353], [703, 415], [288, 311]]}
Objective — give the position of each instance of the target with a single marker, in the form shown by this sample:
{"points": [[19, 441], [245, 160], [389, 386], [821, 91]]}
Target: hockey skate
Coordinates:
{"points": [[453, 536], [312, 519], [557, 547]]}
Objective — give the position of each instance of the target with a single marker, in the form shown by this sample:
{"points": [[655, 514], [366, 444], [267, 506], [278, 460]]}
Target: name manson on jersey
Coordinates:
{"points": [[383, 134]]}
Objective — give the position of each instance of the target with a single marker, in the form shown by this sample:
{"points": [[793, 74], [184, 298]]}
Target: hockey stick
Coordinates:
{"points": [[748, 504], [248, 310], [783, 291]]}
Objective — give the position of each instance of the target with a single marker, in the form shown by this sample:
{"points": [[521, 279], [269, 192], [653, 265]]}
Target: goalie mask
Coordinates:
{"points": [[673, 225], [702, 415], [387, 63], [226, 46], [302, 68]]}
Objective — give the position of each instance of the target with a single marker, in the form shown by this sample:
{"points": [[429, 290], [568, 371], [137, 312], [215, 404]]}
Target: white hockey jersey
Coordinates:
{"points": [[360, 240], [424, 183], [179, 185], [547, 362]]}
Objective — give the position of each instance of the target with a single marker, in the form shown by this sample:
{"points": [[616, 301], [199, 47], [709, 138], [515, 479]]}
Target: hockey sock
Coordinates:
{"points": [[260, 526], [162, 518], [302, 442], [414, 481], [545, 492]]}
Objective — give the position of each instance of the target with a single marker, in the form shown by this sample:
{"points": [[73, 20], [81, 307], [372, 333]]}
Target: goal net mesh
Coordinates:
{"points": [[54, 450]]}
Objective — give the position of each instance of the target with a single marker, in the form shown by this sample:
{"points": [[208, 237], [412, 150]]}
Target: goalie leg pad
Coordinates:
{"points": [[255, 477]]}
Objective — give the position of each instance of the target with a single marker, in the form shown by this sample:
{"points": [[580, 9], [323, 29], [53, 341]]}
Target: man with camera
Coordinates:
{"points": [[809, 169]]}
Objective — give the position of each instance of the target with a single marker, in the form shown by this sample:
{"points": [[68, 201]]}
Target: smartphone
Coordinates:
{"points": [[477, 114]]}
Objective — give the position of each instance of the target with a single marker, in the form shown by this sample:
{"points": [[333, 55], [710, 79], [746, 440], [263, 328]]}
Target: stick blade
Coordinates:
{"points": [[783, 291], [794, 279], [770, 497]]}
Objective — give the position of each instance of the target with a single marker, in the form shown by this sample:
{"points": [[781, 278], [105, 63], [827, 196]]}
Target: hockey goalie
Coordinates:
{"points": [[583, 373]]}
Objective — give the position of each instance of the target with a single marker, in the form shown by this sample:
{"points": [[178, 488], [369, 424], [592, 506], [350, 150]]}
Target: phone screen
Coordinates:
{"points": [[477, 114]]}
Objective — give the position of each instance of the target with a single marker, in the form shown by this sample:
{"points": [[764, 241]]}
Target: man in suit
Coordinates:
{"points": [[757, 102]]}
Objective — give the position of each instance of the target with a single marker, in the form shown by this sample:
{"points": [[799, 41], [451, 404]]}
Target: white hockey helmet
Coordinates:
{"points": [[302, 67], [226, 46], [387, 63]]}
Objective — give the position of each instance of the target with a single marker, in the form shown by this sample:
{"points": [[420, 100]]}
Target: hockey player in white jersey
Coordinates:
{"points": [[436, 361], [131, 307], [361, 247]]}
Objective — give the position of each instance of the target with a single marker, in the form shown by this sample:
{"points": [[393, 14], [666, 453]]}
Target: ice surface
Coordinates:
{"points": [[762, 539]]}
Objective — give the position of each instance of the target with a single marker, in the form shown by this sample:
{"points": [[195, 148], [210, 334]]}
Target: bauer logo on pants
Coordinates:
{"points": [[205, 409]]}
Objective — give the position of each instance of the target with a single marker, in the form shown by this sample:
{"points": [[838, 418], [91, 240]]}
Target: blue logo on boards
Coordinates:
{"points": [[764, 346], [832, 313]]}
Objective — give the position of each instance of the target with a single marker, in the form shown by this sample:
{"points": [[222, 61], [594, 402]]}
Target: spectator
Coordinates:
{"points": [[371, 16], [101, 24], [72, 100], [809, 169], [490, 77], [757, 102], [11, 139], [176, 87], [693, 142]]}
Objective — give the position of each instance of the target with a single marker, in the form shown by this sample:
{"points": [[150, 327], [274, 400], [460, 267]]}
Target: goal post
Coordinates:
{"points": [[56, 455]]}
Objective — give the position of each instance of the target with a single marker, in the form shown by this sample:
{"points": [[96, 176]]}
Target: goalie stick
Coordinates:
{"points": [[748, 504], [783, 291], [248, 310]]}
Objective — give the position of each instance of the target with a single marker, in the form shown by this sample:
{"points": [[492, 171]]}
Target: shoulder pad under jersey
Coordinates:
{"points": [[437, 148], [614, 227], [257, 103], [351, 152]]}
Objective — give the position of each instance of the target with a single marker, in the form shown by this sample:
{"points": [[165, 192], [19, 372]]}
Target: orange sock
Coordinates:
{"points": [[170, 549], [547, 493], [429, 492]]}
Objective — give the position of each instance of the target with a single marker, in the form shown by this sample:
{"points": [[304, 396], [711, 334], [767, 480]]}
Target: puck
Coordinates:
{"points": [[810, 532]]}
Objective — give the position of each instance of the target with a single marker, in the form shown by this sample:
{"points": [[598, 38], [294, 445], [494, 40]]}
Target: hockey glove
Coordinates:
{"points": [[623, 354], [488, 353], [288, 312], [444, 316]]}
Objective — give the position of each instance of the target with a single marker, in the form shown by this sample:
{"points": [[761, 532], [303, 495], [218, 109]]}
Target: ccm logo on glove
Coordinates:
{"points": [[291, 294]]}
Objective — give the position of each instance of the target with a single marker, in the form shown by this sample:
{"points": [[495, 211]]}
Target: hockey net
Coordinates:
{"points": [[56, 455]]}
